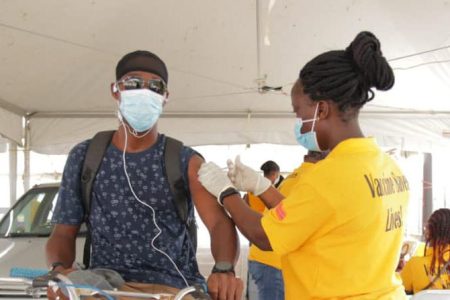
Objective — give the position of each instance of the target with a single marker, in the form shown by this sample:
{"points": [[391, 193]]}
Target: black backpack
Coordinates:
{"points": [[174, 174]]}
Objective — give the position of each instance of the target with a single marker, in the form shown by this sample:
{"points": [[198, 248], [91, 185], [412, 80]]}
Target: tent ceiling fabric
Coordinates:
{"points": [[3, 145], [10, 126], [58, 59]]}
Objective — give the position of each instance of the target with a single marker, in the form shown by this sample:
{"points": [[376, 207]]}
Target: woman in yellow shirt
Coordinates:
{"points": [[340, 230], [431, 271], [265, 279]]}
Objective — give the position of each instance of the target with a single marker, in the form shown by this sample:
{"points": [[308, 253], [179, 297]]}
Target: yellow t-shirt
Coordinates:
{"points": [[416, 274], [269, 257], [420, 249], [291, 180], [340, 230], [255, 254], [255, 203]]}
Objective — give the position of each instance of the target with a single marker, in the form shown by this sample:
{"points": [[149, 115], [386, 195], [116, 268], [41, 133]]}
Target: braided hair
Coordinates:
{"points": [[438, 237], [347, 76]]}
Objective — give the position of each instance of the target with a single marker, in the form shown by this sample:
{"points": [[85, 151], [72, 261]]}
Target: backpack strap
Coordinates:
{"points": [[172, 160], [94, 156]]}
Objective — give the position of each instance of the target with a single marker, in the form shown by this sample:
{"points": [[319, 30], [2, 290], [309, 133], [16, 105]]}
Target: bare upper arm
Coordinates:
{"points": [[65, 231], [206, 204]]}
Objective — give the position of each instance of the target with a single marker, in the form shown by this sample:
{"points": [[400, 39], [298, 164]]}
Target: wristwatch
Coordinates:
{"points": [[227, 192], [56, 264], [223, 267]]}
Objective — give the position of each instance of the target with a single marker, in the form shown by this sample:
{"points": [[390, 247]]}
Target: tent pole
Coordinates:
{"points": [[26, 156], [12, 173], [427, 188], [260, 80]]}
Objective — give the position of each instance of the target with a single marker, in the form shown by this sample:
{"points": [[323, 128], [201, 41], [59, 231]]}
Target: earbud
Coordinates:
{"points": [[114, 88]]}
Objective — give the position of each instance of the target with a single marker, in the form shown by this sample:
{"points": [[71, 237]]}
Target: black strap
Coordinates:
{"points": [[92, 161], [172, 160], [173, 170]]}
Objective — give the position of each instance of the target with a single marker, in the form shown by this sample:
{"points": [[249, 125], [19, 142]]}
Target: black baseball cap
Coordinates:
{"points": [[142, 60]]}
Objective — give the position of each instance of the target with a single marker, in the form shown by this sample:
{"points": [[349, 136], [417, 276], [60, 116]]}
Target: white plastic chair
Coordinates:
{"points": [[432, 295]]}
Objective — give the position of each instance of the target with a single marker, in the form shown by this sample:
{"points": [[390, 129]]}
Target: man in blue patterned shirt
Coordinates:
{"points": [[134, 224]]}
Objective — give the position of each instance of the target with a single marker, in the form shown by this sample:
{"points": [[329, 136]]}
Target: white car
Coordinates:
{"points": [[25, 228]]}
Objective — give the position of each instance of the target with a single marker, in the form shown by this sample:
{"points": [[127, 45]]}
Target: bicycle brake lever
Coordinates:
{"points": [[43, 280], [199, 293]]}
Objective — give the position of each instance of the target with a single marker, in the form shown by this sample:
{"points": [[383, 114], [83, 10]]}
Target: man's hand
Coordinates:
{"points": [[246, 179], [58, 294], [225, 286], [213, 178], [401, 264]]}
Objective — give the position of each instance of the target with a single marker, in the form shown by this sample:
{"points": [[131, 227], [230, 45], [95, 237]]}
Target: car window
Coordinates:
{"points": [[32, 214]]}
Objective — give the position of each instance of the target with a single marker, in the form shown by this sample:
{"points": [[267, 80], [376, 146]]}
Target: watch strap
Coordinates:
{"points": [[56, 264], [227, 192], [223, 267]]}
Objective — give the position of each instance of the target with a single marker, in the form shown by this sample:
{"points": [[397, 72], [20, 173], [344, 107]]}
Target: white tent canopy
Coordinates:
{"points": [[3, 143], [58, 58]]}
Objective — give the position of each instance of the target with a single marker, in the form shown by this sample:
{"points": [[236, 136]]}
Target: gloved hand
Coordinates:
{"points": [[213, 178], [246, 179]]}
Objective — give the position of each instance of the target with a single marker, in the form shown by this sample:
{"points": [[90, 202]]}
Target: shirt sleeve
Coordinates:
{"points": [[295, 219], [406, 275], [69, 209]]}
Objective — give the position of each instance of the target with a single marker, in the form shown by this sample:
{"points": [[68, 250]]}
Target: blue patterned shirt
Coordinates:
{"points": [[122, 229]]}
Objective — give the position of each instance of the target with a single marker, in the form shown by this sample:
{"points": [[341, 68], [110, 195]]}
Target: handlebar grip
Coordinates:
{"points": [[196, 291], [200, 293]]}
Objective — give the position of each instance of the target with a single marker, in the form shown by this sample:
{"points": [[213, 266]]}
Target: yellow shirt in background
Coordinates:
{"points": [[420, 249], [340, 230], [255, 203], [255, 254], [416, 274], [269, 257]]}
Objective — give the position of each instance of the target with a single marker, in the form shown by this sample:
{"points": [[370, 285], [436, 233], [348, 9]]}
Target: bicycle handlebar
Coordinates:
{"points": [[33, 287]]}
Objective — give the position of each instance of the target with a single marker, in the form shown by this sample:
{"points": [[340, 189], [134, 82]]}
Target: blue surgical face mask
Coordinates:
{"points": [[309, 139], [141, 108]]}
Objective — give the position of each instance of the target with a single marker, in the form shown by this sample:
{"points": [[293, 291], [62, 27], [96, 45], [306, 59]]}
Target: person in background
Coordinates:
{"points": [[340, 230], [432, 270], [410, 248], [271, 171], [265, 280]]}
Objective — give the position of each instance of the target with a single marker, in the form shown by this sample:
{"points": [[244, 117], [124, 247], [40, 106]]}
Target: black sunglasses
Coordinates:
{"points": [[134, 83]]}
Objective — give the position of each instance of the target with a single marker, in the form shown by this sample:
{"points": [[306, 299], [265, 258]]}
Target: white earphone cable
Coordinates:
{"points": [[147, 205]]}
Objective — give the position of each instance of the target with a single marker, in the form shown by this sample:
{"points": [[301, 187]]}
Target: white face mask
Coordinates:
{"points": [[276, 180], [141, 108]]}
